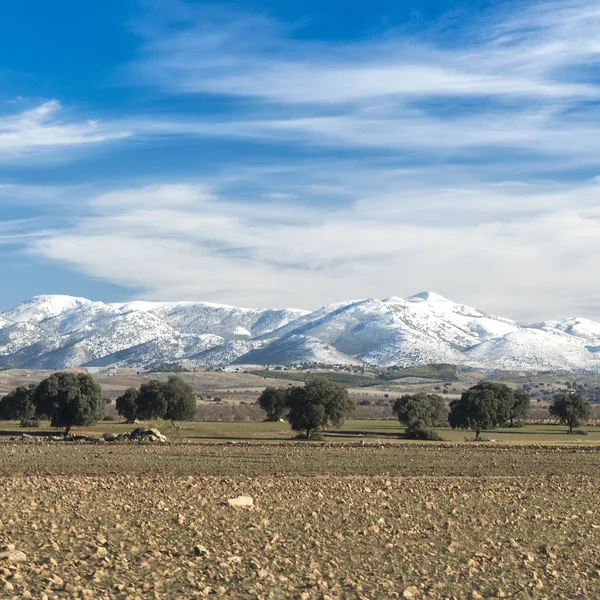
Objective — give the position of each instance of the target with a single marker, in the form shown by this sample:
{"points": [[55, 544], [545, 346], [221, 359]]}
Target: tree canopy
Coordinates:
{"points": [[173, 399], [570, 409], [69, 399], [181, 401], [420, 412], [274, 401], [520, 406], [151, 400], [317, 405], [18, 404], [126, 404], [485, 406]]}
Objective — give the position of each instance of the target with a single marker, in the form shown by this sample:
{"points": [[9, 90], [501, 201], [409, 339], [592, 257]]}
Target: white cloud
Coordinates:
{"points": [[223, 251], [515, 56], [42, 128], [522, 81]]}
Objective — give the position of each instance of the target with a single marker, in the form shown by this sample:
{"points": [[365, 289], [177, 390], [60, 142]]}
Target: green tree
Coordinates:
{"points": [[151, 402], [520, 406], [319, 404], [484, 406], [570, 409], [69, 399], [274, 401], [181, 401], [126, 404], [420, 412], [18, 404]]}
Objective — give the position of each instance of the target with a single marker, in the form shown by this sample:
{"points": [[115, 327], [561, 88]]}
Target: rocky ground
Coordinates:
{"points": [[77, 522]]}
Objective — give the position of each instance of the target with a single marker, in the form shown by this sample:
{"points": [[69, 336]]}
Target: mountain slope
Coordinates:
{"points": [[56, 332]]}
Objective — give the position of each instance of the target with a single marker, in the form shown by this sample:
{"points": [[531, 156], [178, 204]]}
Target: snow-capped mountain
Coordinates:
{"points": [[56, 332]]}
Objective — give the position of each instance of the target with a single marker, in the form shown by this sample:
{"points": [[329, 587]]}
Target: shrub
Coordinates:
{"points": [[424, 433]]}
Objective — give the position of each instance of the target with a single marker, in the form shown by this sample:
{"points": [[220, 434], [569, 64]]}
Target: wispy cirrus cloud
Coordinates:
{"points": [[509, 56], [525, 81], [46, 127]]}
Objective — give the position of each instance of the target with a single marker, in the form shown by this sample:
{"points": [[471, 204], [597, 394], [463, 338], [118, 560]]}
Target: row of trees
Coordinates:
{"points": [[67, 399], [487, 405], [318, 404], [75, 399], [173, 399]]}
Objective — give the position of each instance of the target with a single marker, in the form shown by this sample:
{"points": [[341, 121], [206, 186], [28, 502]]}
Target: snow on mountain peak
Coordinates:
{"points": [[427, 297], [43, 307], [56, 332]]}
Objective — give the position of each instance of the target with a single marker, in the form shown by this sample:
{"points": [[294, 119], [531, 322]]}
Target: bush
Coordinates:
{"points": [[29, 423], [424, 433]]}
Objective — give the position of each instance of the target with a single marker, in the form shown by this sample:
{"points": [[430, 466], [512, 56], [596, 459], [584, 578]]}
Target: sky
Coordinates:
{"points": [[295, 154]]}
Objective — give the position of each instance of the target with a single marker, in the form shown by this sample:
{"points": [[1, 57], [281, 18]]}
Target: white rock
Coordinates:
{"points": [[241, 501]]}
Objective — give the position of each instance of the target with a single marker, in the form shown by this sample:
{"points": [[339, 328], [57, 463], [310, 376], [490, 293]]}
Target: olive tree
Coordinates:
{"points": [[274, 401], [420, 412], [18, 404], [570, 409], [69, 399], [318, 404]]}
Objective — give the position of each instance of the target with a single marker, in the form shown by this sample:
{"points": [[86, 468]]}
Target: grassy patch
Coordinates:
{"points": [[442, 372]]}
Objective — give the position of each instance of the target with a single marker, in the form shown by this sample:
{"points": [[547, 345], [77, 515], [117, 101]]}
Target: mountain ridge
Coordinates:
{"points": [[57, 332]]}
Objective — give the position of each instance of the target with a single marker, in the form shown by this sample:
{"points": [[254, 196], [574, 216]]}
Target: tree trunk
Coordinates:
{"points": [[308, 433], [477, 434], [570, 428], [67, 429]]}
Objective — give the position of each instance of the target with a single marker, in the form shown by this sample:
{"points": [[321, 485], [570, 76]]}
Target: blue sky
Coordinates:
{"points": [[268, 153]]}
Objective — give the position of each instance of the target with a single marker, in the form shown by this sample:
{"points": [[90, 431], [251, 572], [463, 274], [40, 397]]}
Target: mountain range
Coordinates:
{"points": [[58, 332]]}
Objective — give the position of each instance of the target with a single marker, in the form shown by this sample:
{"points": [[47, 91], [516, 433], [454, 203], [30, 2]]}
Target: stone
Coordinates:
{"points": [[13, 556], [200, 550], [241, 501], [149, 435], [411, 592]]}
